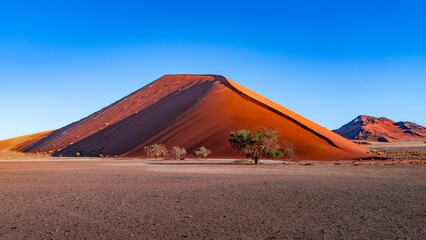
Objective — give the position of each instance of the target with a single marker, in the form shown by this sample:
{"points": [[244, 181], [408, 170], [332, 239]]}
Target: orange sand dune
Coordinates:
{"points": [[10, 144], [191, 111]]}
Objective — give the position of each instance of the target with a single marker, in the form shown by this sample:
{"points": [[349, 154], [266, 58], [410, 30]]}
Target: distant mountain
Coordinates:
{"points": [[380, 129]]}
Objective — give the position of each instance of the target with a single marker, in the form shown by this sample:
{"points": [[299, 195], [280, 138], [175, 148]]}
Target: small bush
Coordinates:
{"points": [[156, 150], [202, 152], [287, 149], [178, 153], [305, 164]]}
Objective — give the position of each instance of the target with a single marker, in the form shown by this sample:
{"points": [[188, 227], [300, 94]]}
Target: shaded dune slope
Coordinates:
{"points": [[191, 111]]}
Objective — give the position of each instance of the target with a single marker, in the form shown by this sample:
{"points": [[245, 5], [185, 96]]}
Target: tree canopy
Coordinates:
{"points": [[263, 142]]}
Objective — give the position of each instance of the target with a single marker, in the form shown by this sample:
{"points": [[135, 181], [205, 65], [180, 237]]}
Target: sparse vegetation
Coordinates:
{"points": [[287, 149], [306, 164], [419, 155], [242, 161], [178, 153], [156, 150], [202, 152], [415, 162], [264, 142]]}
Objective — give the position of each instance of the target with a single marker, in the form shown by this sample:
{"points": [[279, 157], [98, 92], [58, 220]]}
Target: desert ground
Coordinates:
{"points": [[95, 198], [405, 146], [412, 149]]}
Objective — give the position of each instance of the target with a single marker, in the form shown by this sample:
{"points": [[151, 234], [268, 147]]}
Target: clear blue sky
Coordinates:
{"points": [[326, 60]]}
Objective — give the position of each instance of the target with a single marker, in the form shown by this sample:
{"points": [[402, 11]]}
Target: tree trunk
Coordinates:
{"points": [[256, 160]]}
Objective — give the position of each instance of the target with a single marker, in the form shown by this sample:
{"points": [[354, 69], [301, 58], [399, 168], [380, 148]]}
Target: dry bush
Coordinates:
{"points": [[202, 152], [156, 150], [287, 149], [178, 153]]}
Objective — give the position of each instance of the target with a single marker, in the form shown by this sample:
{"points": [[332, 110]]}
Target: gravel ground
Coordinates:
{"points": [[142, 199]]}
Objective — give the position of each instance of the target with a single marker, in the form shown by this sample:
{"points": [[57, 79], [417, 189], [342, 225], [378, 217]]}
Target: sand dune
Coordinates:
{"points": [[8, 145], [191, 111]]}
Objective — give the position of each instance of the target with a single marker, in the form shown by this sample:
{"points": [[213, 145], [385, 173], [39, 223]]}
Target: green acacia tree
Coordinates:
{"points": [[263, 142]]}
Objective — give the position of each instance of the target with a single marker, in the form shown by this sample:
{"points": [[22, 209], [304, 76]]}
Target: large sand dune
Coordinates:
{"points": [[191, 111]]}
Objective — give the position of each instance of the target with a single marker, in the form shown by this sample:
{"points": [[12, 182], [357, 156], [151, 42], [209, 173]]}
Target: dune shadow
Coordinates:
{"points": [[136, 129]]}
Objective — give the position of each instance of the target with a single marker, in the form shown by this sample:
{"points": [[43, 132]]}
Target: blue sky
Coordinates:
{"points": [[329, 61]]}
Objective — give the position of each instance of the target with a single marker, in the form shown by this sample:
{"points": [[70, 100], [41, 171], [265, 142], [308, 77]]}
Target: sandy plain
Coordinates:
{"points": [[93, 198], [404, 146]]}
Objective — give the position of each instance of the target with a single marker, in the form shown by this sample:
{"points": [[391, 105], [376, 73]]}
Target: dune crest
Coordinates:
{"points": [[191, 111]]}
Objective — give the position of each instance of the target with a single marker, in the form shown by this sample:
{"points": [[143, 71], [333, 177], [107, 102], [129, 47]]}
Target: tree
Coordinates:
{"points": [[202, 152], [156, 150], [178, 153], [264, 142]]}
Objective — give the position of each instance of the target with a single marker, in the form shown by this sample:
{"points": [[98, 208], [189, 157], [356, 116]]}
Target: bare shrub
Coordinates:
{"points": [[156, 150], [202, 152], [287, 149], [178, 153]]}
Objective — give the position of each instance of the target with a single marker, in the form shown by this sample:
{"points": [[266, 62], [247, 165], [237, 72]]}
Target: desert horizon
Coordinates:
{"points": [[212, 120], [54, 184]]}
